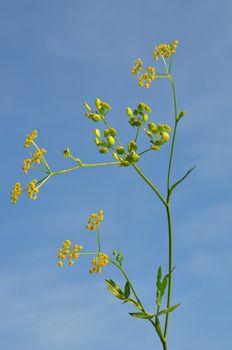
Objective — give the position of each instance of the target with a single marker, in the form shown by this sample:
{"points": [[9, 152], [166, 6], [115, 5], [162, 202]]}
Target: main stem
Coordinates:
{"points": [[168, 211]]}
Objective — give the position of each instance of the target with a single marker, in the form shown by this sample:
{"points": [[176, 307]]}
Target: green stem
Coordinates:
{"points": [[98, 240], [174, 135], [149, 183], [170, 268], [83, 166], [168, 211]]}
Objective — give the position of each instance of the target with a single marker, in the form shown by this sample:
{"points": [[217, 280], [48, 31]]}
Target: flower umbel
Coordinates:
{"points": [[16, 192], [32, 190], [101, 260], [30, 138], [67, 251], [165, 50], [95, 220]]}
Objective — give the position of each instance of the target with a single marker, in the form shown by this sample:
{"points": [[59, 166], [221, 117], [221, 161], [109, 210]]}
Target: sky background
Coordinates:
{"points": [[54, 56]]}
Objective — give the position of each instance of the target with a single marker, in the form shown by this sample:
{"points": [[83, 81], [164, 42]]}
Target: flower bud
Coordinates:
{"points": [[97, 133], [152, 127], [115, 156], [110, 140], [112, 132], [103, 150], [129, 111], [167, 128], [120, 150]]}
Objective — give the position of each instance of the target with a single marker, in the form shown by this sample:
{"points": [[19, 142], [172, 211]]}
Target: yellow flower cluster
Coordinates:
{"points": [[98, 262], [37, 155], [144, 77], [165, 50], [32, 190], [138, 66], [16, 192], [67, 251], [95, 220], [147, 77], [26, 165], [30, 138]]}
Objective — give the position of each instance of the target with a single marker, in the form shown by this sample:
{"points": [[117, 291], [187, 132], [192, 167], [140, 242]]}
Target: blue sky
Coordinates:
{"points": [[54, 56]]}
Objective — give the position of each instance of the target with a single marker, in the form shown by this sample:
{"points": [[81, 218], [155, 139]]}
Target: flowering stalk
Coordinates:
{"points": [[106, 140]]}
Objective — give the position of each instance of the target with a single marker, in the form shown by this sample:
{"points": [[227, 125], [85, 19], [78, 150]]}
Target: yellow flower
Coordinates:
{"points": [[30, 138], [60, 263], [95, 220], [32, 190], [165, 50], [16, 192]]}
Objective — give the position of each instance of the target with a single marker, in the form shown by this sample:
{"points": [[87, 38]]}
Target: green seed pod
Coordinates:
{"points": [[105, 106], [141, 106], [112, 132], [98, 103], [167, 128], [155, 148], [129, 111], [165, 136], [134, 157], [95, 117], [152, 127], [103, 150], [147, 108], [148, 133], [97, 141], [97, 133], [138, 123], [158, 143], [120, 150], [145, 117], [124, 162], [115, 156], [110, 140], [132, 146], [106, 132], [87, 106], [66, 152]]}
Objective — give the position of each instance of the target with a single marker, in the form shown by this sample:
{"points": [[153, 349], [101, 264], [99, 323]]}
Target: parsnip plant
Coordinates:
{"points": [[107, 140]]}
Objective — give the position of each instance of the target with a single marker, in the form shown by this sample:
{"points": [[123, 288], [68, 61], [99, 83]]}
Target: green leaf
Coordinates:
{"points": [[164, 284], [168, 310], [127, 289], [115, 290], [180, 115], [159, 276], [135, 303], [182, 179], [142, 315]]}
